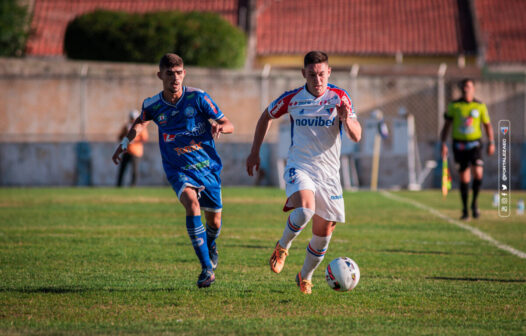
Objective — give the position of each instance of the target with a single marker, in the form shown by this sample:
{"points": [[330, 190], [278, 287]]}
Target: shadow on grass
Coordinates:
{"points": [[425, 252], [67, 290], [477, 279]]}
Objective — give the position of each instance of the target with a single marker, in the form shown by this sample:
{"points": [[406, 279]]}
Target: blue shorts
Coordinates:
{"points": [[208, 189]]}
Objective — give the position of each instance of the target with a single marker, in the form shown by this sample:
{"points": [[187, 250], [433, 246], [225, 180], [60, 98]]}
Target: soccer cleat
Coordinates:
{"points": [[475, 212], [304, 285], [206, 278], [465, 215], [277, 260], [214, 256]]}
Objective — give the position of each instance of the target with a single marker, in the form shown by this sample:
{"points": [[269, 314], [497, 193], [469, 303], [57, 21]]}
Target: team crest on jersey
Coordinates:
{"points": [[475, 113], [161, 119], [189, 112]]}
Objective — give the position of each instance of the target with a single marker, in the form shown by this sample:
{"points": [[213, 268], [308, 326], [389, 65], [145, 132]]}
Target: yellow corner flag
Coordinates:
{"points": [[446, 177]]}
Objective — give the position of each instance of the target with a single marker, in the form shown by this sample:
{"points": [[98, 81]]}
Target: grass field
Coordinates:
{"points": [[107, 261]]}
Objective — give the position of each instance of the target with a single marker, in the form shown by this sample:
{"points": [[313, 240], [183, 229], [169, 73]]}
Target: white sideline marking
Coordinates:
{"points": [[475, 231]]}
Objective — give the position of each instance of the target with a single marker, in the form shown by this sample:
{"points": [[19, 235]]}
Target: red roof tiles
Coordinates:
{"points": [[502, 28], [347, 27], [425, 27]]}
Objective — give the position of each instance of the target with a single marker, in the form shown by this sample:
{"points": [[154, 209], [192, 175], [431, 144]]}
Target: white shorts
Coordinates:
{"points": [[328, 194]]}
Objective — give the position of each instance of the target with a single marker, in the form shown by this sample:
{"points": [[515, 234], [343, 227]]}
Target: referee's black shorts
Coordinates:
{"points": [[467, 153]]}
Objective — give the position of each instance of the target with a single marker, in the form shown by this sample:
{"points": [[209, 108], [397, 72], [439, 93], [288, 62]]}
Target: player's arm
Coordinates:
{"points": [[491, 140], [136, 128], [352, 127], [443, 136], [222, 125], [262, 127]]}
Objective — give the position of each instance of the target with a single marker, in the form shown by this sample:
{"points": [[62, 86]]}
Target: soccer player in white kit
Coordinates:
{"points": [[319, 113]]}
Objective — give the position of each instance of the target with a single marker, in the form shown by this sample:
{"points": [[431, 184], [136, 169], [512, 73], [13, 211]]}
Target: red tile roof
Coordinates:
{"points": [[502, 28], [350, 27], [50, 17], [424, 27]]}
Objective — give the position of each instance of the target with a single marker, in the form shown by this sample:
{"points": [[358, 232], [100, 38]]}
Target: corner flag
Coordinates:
{"points": [[446, 177]]}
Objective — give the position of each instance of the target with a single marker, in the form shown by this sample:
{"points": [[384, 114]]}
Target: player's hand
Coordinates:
{"points": [[491, 149], [344, 109], [253, 160], [217, 129], [116, 158], [444, 150]]}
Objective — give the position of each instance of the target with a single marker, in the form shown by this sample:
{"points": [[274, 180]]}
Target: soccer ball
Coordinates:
{"points": [[342, 274]]}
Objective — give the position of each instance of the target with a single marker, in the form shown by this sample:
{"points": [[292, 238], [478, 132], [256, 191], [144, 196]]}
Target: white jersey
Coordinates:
{"points": [[315, 129]]}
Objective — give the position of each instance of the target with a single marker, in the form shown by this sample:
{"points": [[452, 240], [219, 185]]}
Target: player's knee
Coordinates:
{"points": [[302, 215]]}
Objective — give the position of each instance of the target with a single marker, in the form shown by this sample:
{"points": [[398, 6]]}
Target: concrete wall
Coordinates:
{"points": [[49, 107]]}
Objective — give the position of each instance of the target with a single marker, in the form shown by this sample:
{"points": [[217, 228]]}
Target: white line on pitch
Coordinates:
{"points": [[475, 231]]}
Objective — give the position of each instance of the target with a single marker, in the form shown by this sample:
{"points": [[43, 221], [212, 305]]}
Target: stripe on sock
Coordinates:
{"points": [[316, 253], [293, 227]]}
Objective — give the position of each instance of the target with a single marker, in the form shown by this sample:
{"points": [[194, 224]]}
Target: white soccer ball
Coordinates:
{"points": [[342, 274]]}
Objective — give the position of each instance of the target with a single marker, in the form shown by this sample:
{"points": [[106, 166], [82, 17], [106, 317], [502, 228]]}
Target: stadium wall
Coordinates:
{"points": [[61, 118]]}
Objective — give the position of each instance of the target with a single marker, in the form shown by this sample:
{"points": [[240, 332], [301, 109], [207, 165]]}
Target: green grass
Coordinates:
{"points": [[108, 261]]}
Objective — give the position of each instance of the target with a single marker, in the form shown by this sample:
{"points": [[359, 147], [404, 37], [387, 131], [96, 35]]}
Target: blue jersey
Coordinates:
{"points": [[185, 136]]}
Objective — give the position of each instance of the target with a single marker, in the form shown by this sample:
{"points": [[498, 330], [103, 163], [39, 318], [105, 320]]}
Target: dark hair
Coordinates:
{"points": [[315, 57], [464, 81], [170, 60]]}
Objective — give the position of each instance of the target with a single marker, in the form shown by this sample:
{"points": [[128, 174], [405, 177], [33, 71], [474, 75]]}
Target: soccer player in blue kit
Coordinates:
{"points": [[190, 160]]}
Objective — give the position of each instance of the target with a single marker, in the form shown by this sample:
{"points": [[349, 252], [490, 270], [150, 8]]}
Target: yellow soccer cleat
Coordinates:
{"points": [[277, 260], [304, 285]]}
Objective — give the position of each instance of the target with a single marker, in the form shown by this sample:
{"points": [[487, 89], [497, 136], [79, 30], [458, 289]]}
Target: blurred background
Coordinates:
{"points": [[72, 70]]}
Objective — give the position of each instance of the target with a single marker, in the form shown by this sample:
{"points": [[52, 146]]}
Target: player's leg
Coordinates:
{"points": [[302, 202], [477, 170], [211, 203], [321, 236], [462, 159], [300, 192], [135, 169], [197, 234], [122, 168], [477, 182], [330, 209], [213, 229]]}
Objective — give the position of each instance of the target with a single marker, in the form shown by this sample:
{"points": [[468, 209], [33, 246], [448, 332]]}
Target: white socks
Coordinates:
{"points": [[297, 220], [314, 256]]}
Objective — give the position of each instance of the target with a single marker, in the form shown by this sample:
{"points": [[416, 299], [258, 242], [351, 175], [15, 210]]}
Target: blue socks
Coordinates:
{"points": [[198, 236], [212, 234]]}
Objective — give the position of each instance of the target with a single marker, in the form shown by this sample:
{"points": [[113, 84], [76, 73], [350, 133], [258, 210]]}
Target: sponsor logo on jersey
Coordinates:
{"points": [[190, 95], [301, 102], [212, 106], [318, 121], [156, 106], [174, 112], [277, 107], [188, 149], [197, 166], [336, 197]]}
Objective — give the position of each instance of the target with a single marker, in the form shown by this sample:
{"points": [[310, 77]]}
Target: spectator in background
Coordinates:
{"points": [[135, 150]]}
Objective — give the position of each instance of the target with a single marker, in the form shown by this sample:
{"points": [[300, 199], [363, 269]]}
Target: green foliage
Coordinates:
{"points": [[13, 28], [201, 39], [83, 261]]}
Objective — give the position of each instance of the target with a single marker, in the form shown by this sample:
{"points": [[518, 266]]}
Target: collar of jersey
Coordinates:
{"points": [[167, 103]]}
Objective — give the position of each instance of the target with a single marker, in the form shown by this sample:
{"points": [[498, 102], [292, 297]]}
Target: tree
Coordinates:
{"points": [[13, 28]]}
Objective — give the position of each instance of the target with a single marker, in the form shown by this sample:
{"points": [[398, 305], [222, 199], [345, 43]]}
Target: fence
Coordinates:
{"points": [[48, 107]]}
